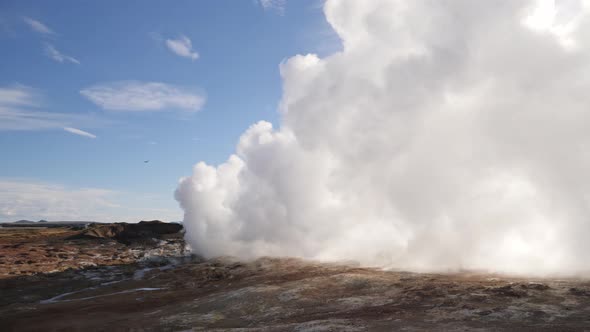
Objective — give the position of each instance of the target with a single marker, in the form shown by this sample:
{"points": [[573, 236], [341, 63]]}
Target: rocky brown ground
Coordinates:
{"points": [[29, 251], [148, 292]]}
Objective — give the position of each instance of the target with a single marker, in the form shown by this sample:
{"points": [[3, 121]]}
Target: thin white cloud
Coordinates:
{"points": [[19, 110], [137, 96], [35, 200], [56, 55], [276, 5], [38, 26], [77, 131], [18, 95], [182, 47]]}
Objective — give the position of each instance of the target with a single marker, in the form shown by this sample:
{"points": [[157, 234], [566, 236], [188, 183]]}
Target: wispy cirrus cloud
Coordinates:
{"points": [[50, 50], [79, 132], [20, 109], [56, 55], [18, 95], [182, 47], [276, 5], [37, 26], [138, 96]]}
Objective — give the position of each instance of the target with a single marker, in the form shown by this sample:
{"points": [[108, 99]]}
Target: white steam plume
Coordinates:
{"points": [[445, 135]]}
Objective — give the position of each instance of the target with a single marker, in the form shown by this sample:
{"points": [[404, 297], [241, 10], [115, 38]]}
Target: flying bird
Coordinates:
{"points": [[146, 161]]}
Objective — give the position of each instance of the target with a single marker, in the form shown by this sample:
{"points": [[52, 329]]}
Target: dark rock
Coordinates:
{"points": [[128, 233], [507, 290], [535, 286], [579, 291]]}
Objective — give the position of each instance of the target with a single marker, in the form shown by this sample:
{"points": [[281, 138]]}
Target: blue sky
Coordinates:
{"points": [[91, 89]]}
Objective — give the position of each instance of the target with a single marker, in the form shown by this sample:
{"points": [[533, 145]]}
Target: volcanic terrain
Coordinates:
{"points": [[119, 278]]}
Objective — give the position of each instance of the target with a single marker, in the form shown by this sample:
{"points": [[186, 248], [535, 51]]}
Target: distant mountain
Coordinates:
{"points": [[23, 221]]}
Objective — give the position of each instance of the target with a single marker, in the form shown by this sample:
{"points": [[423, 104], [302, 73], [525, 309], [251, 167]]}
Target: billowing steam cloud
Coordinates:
{"points": [[445, 135]]}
